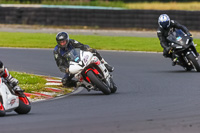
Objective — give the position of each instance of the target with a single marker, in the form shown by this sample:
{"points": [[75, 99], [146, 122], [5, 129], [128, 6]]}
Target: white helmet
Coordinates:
{"points": [[164, 21]]}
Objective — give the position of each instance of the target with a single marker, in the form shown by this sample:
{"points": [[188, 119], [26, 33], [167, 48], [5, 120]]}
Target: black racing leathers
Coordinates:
{"points": [[63, 63], [163, 34], [58, 52]]}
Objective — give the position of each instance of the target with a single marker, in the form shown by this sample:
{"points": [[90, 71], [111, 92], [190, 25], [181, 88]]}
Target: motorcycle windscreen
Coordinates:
{"points": [[73, 55], [178, 37]]}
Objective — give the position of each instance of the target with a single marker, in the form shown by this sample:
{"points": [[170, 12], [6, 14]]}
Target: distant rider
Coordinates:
{"points": [[166, 26], [12, 82], [64, 45]]}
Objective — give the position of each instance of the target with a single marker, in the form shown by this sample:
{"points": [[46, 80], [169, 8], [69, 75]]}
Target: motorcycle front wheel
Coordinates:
{"points": [[194, 62], [113, 89], [98, 83]]}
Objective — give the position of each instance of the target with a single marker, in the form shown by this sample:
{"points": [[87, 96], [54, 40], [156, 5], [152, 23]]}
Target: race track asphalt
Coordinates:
{"points": [[152, 97]]}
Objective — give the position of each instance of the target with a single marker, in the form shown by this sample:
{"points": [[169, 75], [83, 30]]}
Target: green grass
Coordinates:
{"points": [[29, 82], [27, 40], [33, 83], [45, 40], [68, 2]]}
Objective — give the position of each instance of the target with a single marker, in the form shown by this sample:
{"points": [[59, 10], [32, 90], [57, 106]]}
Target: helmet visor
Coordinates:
{"points": [[165, 25], [63, 43]]}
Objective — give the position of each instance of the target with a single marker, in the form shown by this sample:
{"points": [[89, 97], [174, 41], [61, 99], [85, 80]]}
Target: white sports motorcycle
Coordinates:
{"points": [[12, 101], [90, 72]]}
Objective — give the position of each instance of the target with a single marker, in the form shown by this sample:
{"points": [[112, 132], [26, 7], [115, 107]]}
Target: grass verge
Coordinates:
{"points": [[67, 2], [45, 40], [29, 82], [33, 83]]}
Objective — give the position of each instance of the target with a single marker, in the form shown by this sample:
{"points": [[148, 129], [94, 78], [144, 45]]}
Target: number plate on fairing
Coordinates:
{"points": [[179, 38], [85, 59]]}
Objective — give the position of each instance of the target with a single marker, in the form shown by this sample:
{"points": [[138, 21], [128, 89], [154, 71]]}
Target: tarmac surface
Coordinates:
{"points": [[152, 97], [102, 32]]}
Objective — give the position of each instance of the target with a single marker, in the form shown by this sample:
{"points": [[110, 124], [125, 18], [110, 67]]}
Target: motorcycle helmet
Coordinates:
{"points": [[62, 39], [1, 68], [164, 21]]}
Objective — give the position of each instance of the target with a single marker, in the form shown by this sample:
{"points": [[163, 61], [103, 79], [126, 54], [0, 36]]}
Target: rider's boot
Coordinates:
{"points": [[174, 61], [69, 83], [109, 67]]}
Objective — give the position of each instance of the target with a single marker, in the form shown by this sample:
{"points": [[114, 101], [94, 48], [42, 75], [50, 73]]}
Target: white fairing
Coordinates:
{"points": [[10, 101], [85, 57], [74, 67]]}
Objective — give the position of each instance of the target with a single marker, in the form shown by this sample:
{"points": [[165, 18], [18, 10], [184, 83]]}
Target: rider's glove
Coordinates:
{"points": [[17, 89], [92, 50], [189, 34], [67, 70]]}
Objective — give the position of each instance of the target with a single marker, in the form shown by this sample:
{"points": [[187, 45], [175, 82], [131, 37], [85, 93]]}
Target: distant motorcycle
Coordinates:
{"points": [[183, 49], [90, 72], [12, 101]]}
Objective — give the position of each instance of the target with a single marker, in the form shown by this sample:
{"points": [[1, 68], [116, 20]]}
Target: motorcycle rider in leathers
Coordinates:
{"points": [[12, 82], [64, 45], [166, 26]]}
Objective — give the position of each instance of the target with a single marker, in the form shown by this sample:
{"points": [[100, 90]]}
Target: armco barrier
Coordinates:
{"points": [[95, 17]]}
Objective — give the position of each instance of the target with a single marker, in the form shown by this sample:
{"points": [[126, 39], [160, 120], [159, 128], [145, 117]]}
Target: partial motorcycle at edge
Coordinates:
{"points": [[11, 100], [183, 50]]}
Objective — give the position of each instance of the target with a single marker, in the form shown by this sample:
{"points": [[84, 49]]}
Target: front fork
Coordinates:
{"points": [[189, 52], [87, 84]]}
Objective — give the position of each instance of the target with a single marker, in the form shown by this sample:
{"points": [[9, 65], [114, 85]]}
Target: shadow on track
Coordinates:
{"points": [[172, 71], [92, 94]]}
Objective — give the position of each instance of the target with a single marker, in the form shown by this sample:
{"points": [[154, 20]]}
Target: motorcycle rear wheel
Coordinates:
{"points": [[24, 106], [194, 62], [98, 83], [2, 110]]}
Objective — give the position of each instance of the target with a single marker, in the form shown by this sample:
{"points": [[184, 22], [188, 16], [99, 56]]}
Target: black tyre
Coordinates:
{"points": [[188, 69], [2, 110], [113, 89], [98, 83], [24, 106], [194, 62]]}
